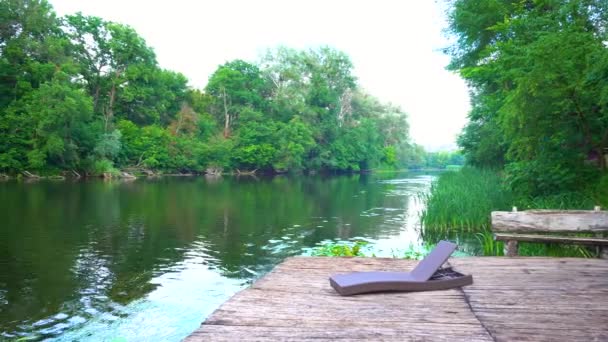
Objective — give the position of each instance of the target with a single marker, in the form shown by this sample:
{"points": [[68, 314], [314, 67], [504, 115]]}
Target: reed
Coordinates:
{"points": [[459, 204], [462, 200]]}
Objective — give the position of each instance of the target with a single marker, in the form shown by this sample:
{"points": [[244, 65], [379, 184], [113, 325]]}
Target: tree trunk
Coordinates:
{"points": [[96, 98], [97, 91], [180, 120], [226, 116], [109, 113]]}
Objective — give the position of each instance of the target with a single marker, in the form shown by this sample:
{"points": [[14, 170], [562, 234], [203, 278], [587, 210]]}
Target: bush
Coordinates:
{"points": [[101, 166]]}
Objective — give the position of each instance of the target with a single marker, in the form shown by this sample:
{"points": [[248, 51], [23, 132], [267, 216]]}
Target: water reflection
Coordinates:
{"points": [[149, 259]]}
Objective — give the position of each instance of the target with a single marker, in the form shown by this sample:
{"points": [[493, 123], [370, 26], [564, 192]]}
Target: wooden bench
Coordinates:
{"points": [[514, 226]]}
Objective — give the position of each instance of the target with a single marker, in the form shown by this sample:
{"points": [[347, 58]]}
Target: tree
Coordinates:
{"points": [[85, 93], [294, 141], [255, 148], [152, 96], [533, 68], [31, 47], [35, 63], [120, 71], [236, 85], [60, 114]]}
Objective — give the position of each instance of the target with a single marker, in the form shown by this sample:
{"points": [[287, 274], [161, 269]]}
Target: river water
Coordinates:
{"points": [[148, 260]]}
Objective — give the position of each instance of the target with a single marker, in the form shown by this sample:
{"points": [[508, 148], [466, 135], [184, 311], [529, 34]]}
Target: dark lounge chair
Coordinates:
{"points": [[425, 277]]}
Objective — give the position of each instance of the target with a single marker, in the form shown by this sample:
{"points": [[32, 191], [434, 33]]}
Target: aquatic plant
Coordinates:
{"points": [[338, 249], [462, 201]]}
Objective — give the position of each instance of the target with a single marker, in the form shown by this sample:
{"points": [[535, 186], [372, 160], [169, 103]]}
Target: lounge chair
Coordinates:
{"points": [[425, 277]]}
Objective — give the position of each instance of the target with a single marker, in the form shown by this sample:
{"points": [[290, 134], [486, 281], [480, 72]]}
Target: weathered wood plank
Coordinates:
{"points": [[558, 221], [539, 299], [350, 333], [523, 299], [295, 302], [551, 239]]}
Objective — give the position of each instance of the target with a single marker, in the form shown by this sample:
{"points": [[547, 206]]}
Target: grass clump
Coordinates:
{"points": [[462, 201], [459, 204]]}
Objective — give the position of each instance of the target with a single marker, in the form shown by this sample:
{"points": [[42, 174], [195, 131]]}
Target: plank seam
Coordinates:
{"points": [[466, 299]]}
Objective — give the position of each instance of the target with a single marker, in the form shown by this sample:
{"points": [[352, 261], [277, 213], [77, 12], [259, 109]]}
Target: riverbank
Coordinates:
{"points": [[138, 173], [459, 204]]}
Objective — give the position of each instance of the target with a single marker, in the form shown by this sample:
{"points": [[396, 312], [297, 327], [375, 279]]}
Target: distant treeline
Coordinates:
{"points": [[421, 159], [538, 74], [81, 93]]}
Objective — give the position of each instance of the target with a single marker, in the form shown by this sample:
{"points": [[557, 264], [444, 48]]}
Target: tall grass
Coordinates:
{"points": [[462, 201], [459, 204]]}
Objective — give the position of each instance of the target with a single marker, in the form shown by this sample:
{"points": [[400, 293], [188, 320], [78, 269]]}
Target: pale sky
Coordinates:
{"points": [[394, 45]]}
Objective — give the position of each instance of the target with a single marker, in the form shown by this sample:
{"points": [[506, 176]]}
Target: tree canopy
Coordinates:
{"points": [[538, 73], [82, 93]]}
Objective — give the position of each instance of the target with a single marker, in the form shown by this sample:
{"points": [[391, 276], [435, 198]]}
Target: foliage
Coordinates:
{"points": [[537, 75], [340, 249], [108, 145], [84, 93], [417, 158], [294, 141], [59, 114], [102, 166], [459, 206], [489, 246], [600, 192]]}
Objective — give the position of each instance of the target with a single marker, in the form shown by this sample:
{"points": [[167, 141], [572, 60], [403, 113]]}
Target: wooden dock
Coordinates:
{"points": [[511, 299]]}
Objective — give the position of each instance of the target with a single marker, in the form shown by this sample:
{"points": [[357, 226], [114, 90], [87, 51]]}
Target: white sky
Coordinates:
{"points": [[394, 45]]}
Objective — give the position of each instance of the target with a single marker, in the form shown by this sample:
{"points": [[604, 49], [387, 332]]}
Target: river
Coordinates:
{"points": [[148, 260]]}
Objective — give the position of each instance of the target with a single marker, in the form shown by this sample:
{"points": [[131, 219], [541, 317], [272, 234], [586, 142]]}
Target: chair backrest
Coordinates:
{"points": [[554, 221], [431, 263]]}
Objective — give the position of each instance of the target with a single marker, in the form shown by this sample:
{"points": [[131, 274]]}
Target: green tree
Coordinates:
{"points": [[42, 113], [294, 141], [85, 93], [534, 68], [236, 85], [254, 147], [59, 114], [121, 73]]}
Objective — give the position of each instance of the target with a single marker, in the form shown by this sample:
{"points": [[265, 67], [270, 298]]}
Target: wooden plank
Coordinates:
{"points": [[523, 299], [539, 299], [551, 239], [550, 221], [295, 302], [349, 333]]}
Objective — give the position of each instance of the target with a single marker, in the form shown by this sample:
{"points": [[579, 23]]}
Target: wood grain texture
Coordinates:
{"points": [[511, 299], [539, 299], [552, 239], [557, 221]]}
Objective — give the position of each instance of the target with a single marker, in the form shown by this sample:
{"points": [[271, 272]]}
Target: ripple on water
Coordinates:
{"points": [[3, 300], [182, 281]]}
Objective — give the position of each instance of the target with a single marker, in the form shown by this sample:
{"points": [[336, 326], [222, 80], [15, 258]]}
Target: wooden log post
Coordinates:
{"points": [[602, 251], [511, 246]]}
